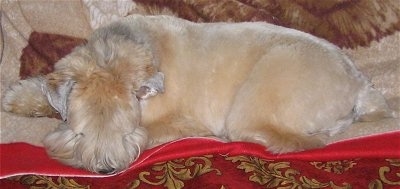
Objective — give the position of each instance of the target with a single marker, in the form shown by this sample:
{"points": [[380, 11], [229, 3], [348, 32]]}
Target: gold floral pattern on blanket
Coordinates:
{"points": [[44, 182], [171, 174], [337, 167], [219, 170], [394, 169], [273, 174]]}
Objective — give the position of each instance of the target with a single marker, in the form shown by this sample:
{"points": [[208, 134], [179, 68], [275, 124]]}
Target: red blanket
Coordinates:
{"points": [[369, 162], [205, 163]]}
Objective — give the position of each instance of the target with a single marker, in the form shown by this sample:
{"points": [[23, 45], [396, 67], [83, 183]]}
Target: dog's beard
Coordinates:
{"points": [[101, 155], [102, 133]]}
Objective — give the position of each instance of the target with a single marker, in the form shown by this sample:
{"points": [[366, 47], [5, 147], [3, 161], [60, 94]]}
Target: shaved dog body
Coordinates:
{"points": [[146, 80]]}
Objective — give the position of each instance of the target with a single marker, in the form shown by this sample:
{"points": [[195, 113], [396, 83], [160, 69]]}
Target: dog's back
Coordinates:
{"points": [[256, 77]]}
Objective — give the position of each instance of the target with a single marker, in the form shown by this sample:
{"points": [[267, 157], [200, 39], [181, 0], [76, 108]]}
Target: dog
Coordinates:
{"points": [[146, 80]]}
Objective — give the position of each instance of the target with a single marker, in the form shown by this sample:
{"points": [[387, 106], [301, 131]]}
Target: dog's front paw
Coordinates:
{"points": [[279, 143], [26, 98], [292, 143]]}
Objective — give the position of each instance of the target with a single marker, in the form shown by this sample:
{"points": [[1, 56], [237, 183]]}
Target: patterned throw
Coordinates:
{"points": [[370, 162], [43, 51], [347, 23]]}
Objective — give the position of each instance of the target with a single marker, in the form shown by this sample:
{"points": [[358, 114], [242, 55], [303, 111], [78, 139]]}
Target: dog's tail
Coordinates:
{"points": [[372, 106]]}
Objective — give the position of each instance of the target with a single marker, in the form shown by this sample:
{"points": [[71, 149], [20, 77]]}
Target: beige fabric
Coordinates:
{"points": [[19, 19], [380, 62]]}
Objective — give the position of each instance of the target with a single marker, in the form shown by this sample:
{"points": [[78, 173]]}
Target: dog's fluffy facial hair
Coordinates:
{"points": [[102, 132]]}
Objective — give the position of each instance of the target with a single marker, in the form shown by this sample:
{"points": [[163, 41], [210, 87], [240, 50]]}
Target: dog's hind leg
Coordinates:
{"points": [[372, 106], [26, 98]]}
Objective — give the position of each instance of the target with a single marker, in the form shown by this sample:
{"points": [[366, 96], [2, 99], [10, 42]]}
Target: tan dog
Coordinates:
{"points": [[255, 82]]}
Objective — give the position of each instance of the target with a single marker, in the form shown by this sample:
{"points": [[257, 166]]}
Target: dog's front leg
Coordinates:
{"points": [[26, 98], [174, 127]]}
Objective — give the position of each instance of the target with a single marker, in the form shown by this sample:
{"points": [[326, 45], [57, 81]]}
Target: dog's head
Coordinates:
{"points": [[97, 89]]}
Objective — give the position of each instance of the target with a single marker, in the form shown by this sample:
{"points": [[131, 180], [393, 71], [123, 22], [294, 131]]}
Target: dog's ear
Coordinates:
{"points": [[151, 87], [60, 145], [57, 95]]}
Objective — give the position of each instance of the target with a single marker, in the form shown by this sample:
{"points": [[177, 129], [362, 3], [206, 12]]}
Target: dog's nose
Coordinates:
{"points": [[107, 171]]}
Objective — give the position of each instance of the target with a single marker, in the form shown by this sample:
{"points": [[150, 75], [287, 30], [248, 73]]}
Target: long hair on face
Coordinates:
{"points": [[102, 131]]}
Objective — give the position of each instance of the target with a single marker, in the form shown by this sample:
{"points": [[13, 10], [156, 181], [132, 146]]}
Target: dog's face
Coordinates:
{"points": [[104, 116], [96, 91]]}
